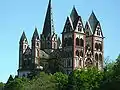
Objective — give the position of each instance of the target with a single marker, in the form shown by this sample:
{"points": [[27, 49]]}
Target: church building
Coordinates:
{"points": [[81, 46]]}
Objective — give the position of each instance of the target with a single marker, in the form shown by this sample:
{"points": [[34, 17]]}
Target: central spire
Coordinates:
{"points": [[48, 29]]}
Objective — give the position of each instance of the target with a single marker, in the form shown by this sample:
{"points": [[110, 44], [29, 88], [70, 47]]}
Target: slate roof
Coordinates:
{"points": [[48, 28], [35, 34], [44, 55], [74, 15], [93, 21], [23, 37]]}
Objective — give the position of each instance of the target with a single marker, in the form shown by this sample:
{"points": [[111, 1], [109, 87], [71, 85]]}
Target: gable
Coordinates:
{"points": [[78, 26], [98, 31], [68, 26]]}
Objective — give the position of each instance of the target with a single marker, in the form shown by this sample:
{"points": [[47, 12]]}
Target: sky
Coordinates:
{"points": [[17, 16]]}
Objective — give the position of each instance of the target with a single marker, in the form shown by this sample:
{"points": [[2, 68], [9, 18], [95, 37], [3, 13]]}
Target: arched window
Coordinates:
{"points": [[100, 47], [100, 57], [81, 42], [96, 57], [77, 53], [96, 46], [98, 32], [81, 53], [77, 41], [80, 62]]}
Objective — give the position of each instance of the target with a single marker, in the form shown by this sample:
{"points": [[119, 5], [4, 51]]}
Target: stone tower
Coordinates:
{"points": [[73, 42], [23, 44], [35, 49], [94, 41], [48, 36]]}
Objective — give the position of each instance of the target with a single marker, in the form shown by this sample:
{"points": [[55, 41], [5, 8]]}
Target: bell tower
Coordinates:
{"points": [[48, 36], [94, 38], [73, 42]]}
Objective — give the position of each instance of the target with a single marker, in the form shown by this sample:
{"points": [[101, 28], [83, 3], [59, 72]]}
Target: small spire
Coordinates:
{"points": [[23, 37], [74, 15], [35, 34]]}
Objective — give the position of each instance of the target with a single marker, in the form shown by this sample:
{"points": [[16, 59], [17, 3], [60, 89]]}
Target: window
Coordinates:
{"points": [[100, 57], [96, 57], [81, 42], [54, 46], [80, 27], [77, 41], [100, 47], [96, 46], [80, 62], [98, 32]]}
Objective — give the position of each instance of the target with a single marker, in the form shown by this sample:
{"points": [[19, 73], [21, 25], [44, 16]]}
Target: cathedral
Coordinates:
{"points": [[81, 46]]}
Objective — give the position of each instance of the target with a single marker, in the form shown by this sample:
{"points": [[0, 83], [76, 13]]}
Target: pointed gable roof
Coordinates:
{"points": [[67, 24], [93, 21], [23, 37], [48, 28], [35, 34], [74, 15]]}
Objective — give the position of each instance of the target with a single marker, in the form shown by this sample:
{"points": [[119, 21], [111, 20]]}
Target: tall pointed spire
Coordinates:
{"points": [[48, 29], [93, 21]]}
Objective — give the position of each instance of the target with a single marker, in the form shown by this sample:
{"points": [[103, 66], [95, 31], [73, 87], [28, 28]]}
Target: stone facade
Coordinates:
{"points": [[81, 47]]}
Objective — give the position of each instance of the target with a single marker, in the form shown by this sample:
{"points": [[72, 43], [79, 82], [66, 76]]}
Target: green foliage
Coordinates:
{"points": [[61, 80], [16, 84], [1, 86], [41, 82], [10, 79], [85, 79], [112, 77]]}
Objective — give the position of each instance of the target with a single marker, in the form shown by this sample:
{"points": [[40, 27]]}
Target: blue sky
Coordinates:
{"points": [[19, 15]]}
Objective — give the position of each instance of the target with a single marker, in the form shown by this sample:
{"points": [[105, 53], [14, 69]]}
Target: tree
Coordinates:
{"points": [[41, 82], [85, 79], [112, 76], [1, 86], [16, 84], [61, 80]]}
